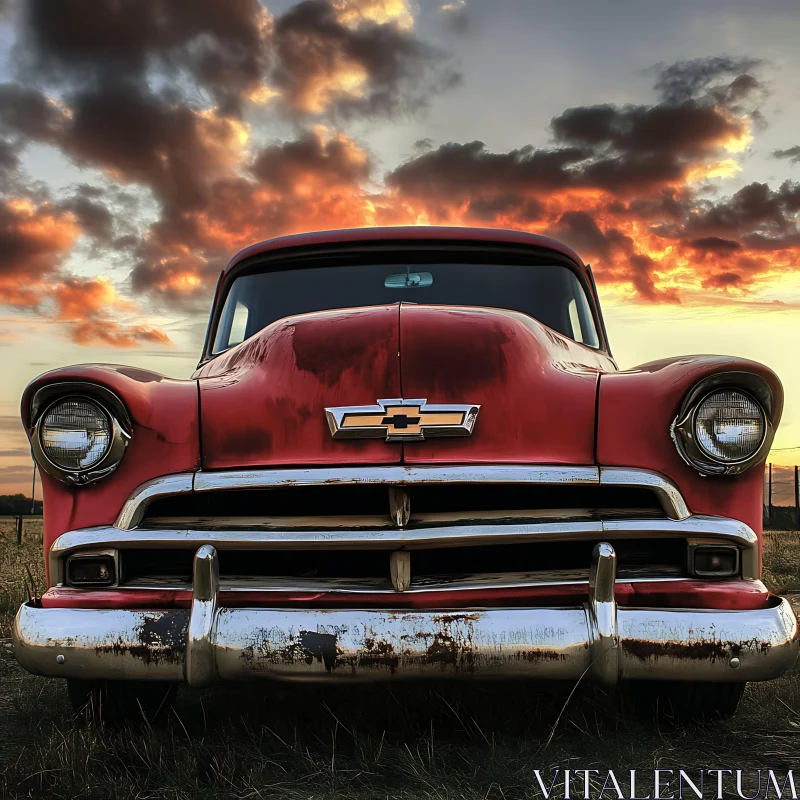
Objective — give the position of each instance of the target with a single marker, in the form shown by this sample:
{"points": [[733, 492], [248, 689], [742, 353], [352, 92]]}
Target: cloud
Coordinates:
{"points": [[17, 473], [312, 182], [34, 239], [792, 154], [725, 78], [624, 185], [327, 59], [163, 100], [313, 161], [222, 47], [86, 306]]}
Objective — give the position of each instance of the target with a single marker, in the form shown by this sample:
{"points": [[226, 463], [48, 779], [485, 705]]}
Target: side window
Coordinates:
{"points": [[579, 314], [574, 320], [238, 325], [232, 328]]}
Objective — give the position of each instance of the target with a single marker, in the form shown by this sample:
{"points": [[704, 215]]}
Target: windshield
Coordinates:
{"points": [[551, 294]]}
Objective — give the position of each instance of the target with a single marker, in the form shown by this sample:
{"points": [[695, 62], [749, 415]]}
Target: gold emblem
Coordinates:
{"points": [[401, 420]]}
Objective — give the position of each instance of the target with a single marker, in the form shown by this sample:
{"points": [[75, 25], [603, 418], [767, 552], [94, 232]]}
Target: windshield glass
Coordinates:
{"points": [[551, 294]]}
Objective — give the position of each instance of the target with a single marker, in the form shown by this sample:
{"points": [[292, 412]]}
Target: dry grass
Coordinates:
{"points": [[429, 741], [782, 561]]}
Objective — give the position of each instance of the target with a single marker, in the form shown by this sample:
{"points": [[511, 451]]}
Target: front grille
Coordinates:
{"points": [[381, 506], [368, 570]]}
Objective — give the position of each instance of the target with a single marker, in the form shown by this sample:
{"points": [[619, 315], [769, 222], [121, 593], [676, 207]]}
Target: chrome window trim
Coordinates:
{"points": [[134, 509], [721, 528]]}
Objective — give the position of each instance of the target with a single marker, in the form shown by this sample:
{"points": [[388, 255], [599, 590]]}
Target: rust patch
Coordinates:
{"points": [[705, 650], [537, 656], [449, 619], [160, 639]]}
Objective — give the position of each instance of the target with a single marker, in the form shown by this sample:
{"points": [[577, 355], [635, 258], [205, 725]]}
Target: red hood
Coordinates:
{"points": [[263, 402]]}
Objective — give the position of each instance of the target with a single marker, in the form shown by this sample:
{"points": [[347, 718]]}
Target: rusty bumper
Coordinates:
{"points": [[600, 640]]}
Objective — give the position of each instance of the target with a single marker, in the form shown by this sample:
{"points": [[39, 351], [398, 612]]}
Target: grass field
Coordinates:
{"points": [[430, 741]]}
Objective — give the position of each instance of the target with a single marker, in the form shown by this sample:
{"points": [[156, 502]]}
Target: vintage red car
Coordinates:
{"points": [[406, 452]]}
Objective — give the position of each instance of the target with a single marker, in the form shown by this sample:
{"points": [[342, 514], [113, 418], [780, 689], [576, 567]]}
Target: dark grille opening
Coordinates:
{"points": [[330, 506], [313, 501], [546, 557], [635, 558], [513, 497]]}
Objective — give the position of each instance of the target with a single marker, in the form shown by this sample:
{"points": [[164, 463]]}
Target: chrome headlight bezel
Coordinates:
{"points": [[120, 437], [684, 430]]}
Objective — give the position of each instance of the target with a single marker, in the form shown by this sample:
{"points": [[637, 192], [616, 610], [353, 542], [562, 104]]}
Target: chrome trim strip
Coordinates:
{"points": [[668, 493], [446, 536], [334, 586], [398, 475], [179, 483], [165, 486]]}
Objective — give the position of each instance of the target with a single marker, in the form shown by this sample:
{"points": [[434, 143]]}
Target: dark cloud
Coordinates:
{"points": [[582, 233], [311, 158], [93, 216], [725, 77], [714, 244], [322, 63], [223, 47], [755, 209], [722, 280], [641, 148], [456, 173], [33, 241], [30, 114], [792, 154]]}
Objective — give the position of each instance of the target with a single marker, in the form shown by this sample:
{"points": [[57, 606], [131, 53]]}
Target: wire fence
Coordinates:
{"points": [[782, 497]]}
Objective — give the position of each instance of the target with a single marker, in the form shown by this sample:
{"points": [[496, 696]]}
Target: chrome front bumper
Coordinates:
{"points": [[601, 640]]}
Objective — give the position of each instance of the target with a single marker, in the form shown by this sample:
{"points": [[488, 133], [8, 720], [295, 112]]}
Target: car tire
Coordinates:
{"points": [[117, 702], [687, 701]]}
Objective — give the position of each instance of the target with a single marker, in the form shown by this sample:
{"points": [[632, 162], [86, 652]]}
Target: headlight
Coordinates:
{"points": [[78, 440], [729, 425], [725, 423], [75, 433]]}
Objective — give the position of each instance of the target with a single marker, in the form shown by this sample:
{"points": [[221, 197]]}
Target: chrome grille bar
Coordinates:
{"points": [[134, 509]]}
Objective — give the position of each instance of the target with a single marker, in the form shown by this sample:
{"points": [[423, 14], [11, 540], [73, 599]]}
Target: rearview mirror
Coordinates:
{"points": [[409, 280]]}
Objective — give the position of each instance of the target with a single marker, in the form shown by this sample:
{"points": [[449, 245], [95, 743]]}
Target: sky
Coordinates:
{"points": [[144, 142]]}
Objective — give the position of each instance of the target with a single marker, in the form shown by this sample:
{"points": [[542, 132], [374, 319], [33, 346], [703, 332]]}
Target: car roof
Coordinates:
{"points": [[409, 233]]}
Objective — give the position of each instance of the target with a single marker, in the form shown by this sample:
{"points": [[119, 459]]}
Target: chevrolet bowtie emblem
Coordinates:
{"points": [[401, 420]]}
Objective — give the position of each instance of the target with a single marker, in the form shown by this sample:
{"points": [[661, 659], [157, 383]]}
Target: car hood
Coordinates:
{"points": [[263, 402]]}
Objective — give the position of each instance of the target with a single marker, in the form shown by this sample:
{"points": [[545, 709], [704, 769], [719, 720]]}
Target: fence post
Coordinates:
{"points": [[797, 497], [769, 504], [18, 520]]}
